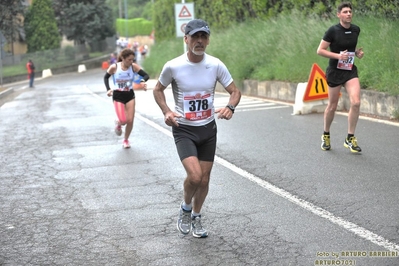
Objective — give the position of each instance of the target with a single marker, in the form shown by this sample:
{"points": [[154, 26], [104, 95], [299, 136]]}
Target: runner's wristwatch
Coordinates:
{"points": [[231, 107]]}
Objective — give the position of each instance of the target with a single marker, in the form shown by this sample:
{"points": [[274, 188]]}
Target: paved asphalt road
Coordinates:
{"points": [[70, 195]]}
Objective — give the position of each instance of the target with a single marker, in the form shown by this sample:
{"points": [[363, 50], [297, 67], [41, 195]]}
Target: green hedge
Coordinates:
{"points": [[133, 27]]}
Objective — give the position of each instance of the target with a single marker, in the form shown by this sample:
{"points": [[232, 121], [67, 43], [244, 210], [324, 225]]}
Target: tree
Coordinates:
{"points": [[164, 19], [84, 21], [11, 18], [41, 27]]}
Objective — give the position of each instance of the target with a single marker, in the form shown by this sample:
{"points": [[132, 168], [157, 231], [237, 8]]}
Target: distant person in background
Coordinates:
{"points": [[31, 72], [118, 45], [122, 92], [112, 59], [144, 51], [125, 43], [135, 48], [339, 45]]}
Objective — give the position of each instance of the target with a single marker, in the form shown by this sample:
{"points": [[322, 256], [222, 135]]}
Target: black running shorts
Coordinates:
{"points": [[198, 141], [338, 77], [123, 96]]}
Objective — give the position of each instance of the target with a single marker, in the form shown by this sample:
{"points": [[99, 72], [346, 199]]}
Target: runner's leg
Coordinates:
{"points": [[129, 112], [196, 184], [333, 97], [120, 112], [353, 89]]}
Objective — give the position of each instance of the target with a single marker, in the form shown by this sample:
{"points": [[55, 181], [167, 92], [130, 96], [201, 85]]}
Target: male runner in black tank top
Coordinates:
{"points": [[341, 39]]}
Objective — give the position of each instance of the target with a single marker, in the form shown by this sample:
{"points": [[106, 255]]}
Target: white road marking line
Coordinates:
{"points": [[167, 132], [357, 230], [261, 108], [248, 104], [354, 228]]}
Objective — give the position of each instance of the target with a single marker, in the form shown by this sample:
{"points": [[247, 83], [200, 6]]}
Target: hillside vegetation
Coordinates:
{"points": [[284, 48]]}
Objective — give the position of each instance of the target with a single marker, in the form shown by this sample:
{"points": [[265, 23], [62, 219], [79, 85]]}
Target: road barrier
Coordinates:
{"points": [[81, 68], [46, 73], [105, 65]]}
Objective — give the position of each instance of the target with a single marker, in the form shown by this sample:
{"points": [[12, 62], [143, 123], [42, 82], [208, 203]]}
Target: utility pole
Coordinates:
{"points": [[184, 44], [126, 19], [120, 8]]}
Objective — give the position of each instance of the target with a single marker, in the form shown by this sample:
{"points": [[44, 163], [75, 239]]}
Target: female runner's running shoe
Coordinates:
{"points": [[118, 128], [126, 144]]}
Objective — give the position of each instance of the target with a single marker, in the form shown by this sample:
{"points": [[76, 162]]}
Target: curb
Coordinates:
{"points": [[6, 92], [372, 103]]}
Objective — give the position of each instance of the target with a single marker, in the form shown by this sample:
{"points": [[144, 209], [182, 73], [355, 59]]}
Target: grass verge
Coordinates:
{"points": [[284, 49]]}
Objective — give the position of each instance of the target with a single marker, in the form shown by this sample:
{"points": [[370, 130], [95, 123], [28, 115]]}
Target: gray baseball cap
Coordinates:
{"points": [[197, 25]]}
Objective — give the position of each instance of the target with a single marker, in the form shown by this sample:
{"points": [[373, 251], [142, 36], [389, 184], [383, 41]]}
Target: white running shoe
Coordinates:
{"points": [[197, 228], [184, 221]]}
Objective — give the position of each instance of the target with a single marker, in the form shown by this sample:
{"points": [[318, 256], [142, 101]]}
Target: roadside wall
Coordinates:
{"points": [[90, 64], [372, 103]]}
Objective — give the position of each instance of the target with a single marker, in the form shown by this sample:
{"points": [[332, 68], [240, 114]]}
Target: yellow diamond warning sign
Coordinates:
{"points": [[317, 87]]}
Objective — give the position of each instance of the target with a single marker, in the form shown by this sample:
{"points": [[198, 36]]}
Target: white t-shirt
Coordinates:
{"points": [[193, 86]]}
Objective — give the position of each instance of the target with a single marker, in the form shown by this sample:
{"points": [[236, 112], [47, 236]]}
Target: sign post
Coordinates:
{"points": [[126, 33], [184, 12]]}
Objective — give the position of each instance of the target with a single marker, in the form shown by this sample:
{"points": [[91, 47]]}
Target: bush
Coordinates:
{"points": [[133, 27], [70, 52]]}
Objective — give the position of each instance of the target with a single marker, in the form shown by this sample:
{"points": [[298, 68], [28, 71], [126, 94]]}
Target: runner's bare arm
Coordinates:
{"points": [[359, 53], [235, 97], [159, 96], [323, 51]]}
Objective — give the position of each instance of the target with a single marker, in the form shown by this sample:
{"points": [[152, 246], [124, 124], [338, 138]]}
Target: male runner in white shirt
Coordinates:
{"points": [[193, 77]]}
